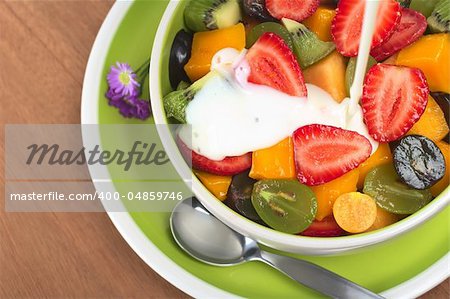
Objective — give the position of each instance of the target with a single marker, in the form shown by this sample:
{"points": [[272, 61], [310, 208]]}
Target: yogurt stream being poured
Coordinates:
{"points": [[230, 116]]}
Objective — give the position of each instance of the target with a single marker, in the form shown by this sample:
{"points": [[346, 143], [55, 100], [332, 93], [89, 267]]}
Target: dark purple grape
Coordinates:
{"points": [[179, 56], [257, 9], [239, 196], [404, 3], [418, 161], [329, 2]]}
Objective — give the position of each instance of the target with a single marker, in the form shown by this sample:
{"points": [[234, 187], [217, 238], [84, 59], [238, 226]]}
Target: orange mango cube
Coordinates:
{"points": [[329, 74], [432, 123], [431, 54], [275, 162], [216, 184], [381, 156], [327, 193], [206, 44], [383, 219], [320, 22]]}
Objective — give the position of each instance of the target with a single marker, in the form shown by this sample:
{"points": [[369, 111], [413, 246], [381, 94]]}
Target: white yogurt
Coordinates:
{"points": [[230, 116]]}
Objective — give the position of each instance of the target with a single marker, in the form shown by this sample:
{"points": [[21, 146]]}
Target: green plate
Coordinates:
{"points": [[379, 268]]}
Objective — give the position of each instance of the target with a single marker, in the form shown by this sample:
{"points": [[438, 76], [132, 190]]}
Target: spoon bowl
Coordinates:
{"points": [[190, 222]]}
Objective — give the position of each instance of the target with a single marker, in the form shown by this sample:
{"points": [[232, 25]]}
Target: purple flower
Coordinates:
{"points": [[129, 106], [142, 108], [124, 90], [122, 80], [111, 95]]}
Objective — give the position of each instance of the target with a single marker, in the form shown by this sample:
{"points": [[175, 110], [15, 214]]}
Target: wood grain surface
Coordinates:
{"points": [[44, 47]]}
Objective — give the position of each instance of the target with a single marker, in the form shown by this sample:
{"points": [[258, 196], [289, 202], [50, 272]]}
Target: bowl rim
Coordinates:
{"points": [[267, 236]]}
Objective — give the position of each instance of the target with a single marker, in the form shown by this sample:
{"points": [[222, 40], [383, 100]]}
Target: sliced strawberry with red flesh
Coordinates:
{"points": [[324, 153], [272, 63], [347, 24], [394, 98], [227, 166], [328, 227], [292, 9], [412, 26]]}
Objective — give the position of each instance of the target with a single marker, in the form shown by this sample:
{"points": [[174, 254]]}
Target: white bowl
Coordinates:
{"points": [[264, 235]]}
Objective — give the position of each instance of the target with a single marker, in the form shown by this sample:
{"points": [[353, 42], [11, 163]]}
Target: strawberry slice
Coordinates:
{"points": [[394, 98], [227, 166], [347, 24], [272, 63], [324, 153], [412, 26], [292, 9], [328, 227]]}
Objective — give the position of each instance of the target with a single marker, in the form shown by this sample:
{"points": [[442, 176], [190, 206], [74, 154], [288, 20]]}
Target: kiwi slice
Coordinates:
{"points": [[273, 27], [203, 15], [425, 7], [182, 85], [439, 21], [308, 48], [175, 103]]}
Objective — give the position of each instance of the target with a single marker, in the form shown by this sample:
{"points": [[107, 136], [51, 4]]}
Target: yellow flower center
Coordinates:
{"points": [[124, 78]]}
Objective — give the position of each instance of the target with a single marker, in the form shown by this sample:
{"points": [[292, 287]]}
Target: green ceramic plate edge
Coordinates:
{"points": [[379, 268]]}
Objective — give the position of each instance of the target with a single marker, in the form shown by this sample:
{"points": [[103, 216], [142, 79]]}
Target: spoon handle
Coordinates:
{"points": [[316, 277]]}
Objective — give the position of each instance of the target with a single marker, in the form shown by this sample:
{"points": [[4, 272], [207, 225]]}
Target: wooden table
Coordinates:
{"points": [[44, 47]]}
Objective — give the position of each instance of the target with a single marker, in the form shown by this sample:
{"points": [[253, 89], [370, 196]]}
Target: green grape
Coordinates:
{"points": [[383, 184], [284, 205]]}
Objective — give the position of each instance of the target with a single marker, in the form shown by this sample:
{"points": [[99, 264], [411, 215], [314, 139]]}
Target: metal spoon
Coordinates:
{"points": [[207, 239]]}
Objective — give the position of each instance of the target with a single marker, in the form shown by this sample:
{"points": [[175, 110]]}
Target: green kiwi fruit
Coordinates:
{"points": [[308, 48], [182, 85], [439, 21], [425, 7], [262, 28], [204, 15], [175, 103]]}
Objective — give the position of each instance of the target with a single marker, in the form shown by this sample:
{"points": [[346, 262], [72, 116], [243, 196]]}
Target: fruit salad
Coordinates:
{"points": [[285, 127]]}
